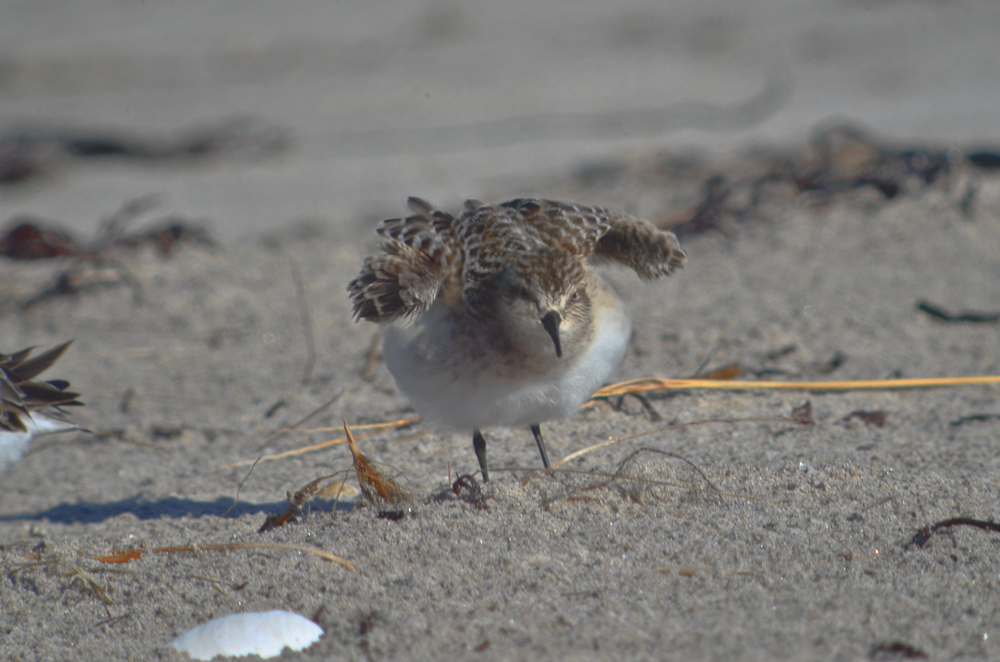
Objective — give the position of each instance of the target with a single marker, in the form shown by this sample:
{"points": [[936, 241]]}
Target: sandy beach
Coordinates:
{"points": [[751, 534]]}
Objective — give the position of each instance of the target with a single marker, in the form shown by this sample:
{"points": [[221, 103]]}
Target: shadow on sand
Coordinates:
{"points": [[90, 513]]}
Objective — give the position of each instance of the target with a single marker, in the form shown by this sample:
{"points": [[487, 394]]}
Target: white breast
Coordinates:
{"points": [[465, 397]]}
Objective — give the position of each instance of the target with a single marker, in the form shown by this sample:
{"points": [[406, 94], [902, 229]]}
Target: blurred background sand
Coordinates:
{"points": [[450, 100]]}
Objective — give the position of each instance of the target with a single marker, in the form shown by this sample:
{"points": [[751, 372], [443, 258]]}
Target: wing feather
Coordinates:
{"points": [[640, 245], [404, 277], [20, 394]]}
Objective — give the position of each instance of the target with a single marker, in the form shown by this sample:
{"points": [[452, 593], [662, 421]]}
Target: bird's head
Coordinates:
{"points": [[544, 300]]}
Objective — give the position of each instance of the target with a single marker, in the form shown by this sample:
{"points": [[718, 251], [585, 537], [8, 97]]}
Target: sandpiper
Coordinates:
{"points": [[496, 317], [31, 408]]}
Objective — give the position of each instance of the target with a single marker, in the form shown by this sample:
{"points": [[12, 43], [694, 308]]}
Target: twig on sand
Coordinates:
{"points": [[295, 501], [924, 534], [307, 330], [125, 555], [611, 441], [281, 433], [373, 428], [75, 571], [620, 475], [658, 384], [971, 316]]}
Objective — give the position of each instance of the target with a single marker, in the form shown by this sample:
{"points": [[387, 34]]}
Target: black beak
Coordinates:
{"points": [[551, 322]]}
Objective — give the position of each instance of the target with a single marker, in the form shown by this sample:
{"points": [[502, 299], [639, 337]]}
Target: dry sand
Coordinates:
{"points": [[800, 551], [803, 554]]}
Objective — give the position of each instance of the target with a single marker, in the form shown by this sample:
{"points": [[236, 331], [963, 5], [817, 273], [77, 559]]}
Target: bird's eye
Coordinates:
{"points": [[518, 292], [575, 296]]}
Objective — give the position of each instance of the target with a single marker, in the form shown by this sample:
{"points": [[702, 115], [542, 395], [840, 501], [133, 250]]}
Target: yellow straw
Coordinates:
{"points": [[656, 384]]}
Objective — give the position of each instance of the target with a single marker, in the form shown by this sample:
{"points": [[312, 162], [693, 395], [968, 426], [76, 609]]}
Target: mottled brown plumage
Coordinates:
{"points": [[505, 321], [425, 253], [20, 393]]}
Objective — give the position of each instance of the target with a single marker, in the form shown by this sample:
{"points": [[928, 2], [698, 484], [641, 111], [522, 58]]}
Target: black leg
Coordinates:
{"points": [[537, 431], [479, 444]]}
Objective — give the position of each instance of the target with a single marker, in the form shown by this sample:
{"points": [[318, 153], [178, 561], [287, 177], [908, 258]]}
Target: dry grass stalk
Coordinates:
{"points": [[657, 384], [125, 555]]}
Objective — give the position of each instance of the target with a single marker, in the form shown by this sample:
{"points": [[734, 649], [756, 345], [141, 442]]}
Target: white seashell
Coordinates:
{"points": [[264, 634]]}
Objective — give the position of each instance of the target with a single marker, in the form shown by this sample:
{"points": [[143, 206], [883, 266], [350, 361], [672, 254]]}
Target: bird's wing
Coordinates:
{"points": [[403, 279], [573, 228], [517, 234], [493, 237], [425, 230], [639, 245], [603, 233], [20, 393]]}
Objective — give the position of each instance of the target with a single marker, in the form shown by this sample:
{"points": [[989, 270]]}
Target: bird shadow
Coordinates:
{"points": [[145, 509]]}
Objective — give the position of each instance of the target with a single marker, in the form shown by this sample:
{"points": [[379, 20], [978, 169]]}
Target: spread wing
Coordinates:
{"points": [[403, 279], [431, 250], [640, 245], [573, 228], [605, 234]]}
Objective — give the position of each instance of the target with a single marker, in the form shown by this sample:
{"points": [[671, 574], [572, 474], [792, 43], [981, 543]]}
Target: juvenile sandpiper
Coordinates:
{"points": [[496, 317]]}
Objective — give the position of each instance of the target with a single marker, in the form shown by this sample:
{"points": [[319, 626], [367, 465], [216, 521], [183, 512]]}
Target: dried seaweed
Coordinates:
{"points": [[925, 534], [93, 265], [970, 316], [467, 482], [32, 152], [379, 489]]}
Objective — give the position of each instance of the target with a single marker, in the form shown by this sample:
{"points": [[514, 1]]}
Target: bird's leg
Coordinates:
{"points": [[479, 444], [537, 431]]}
